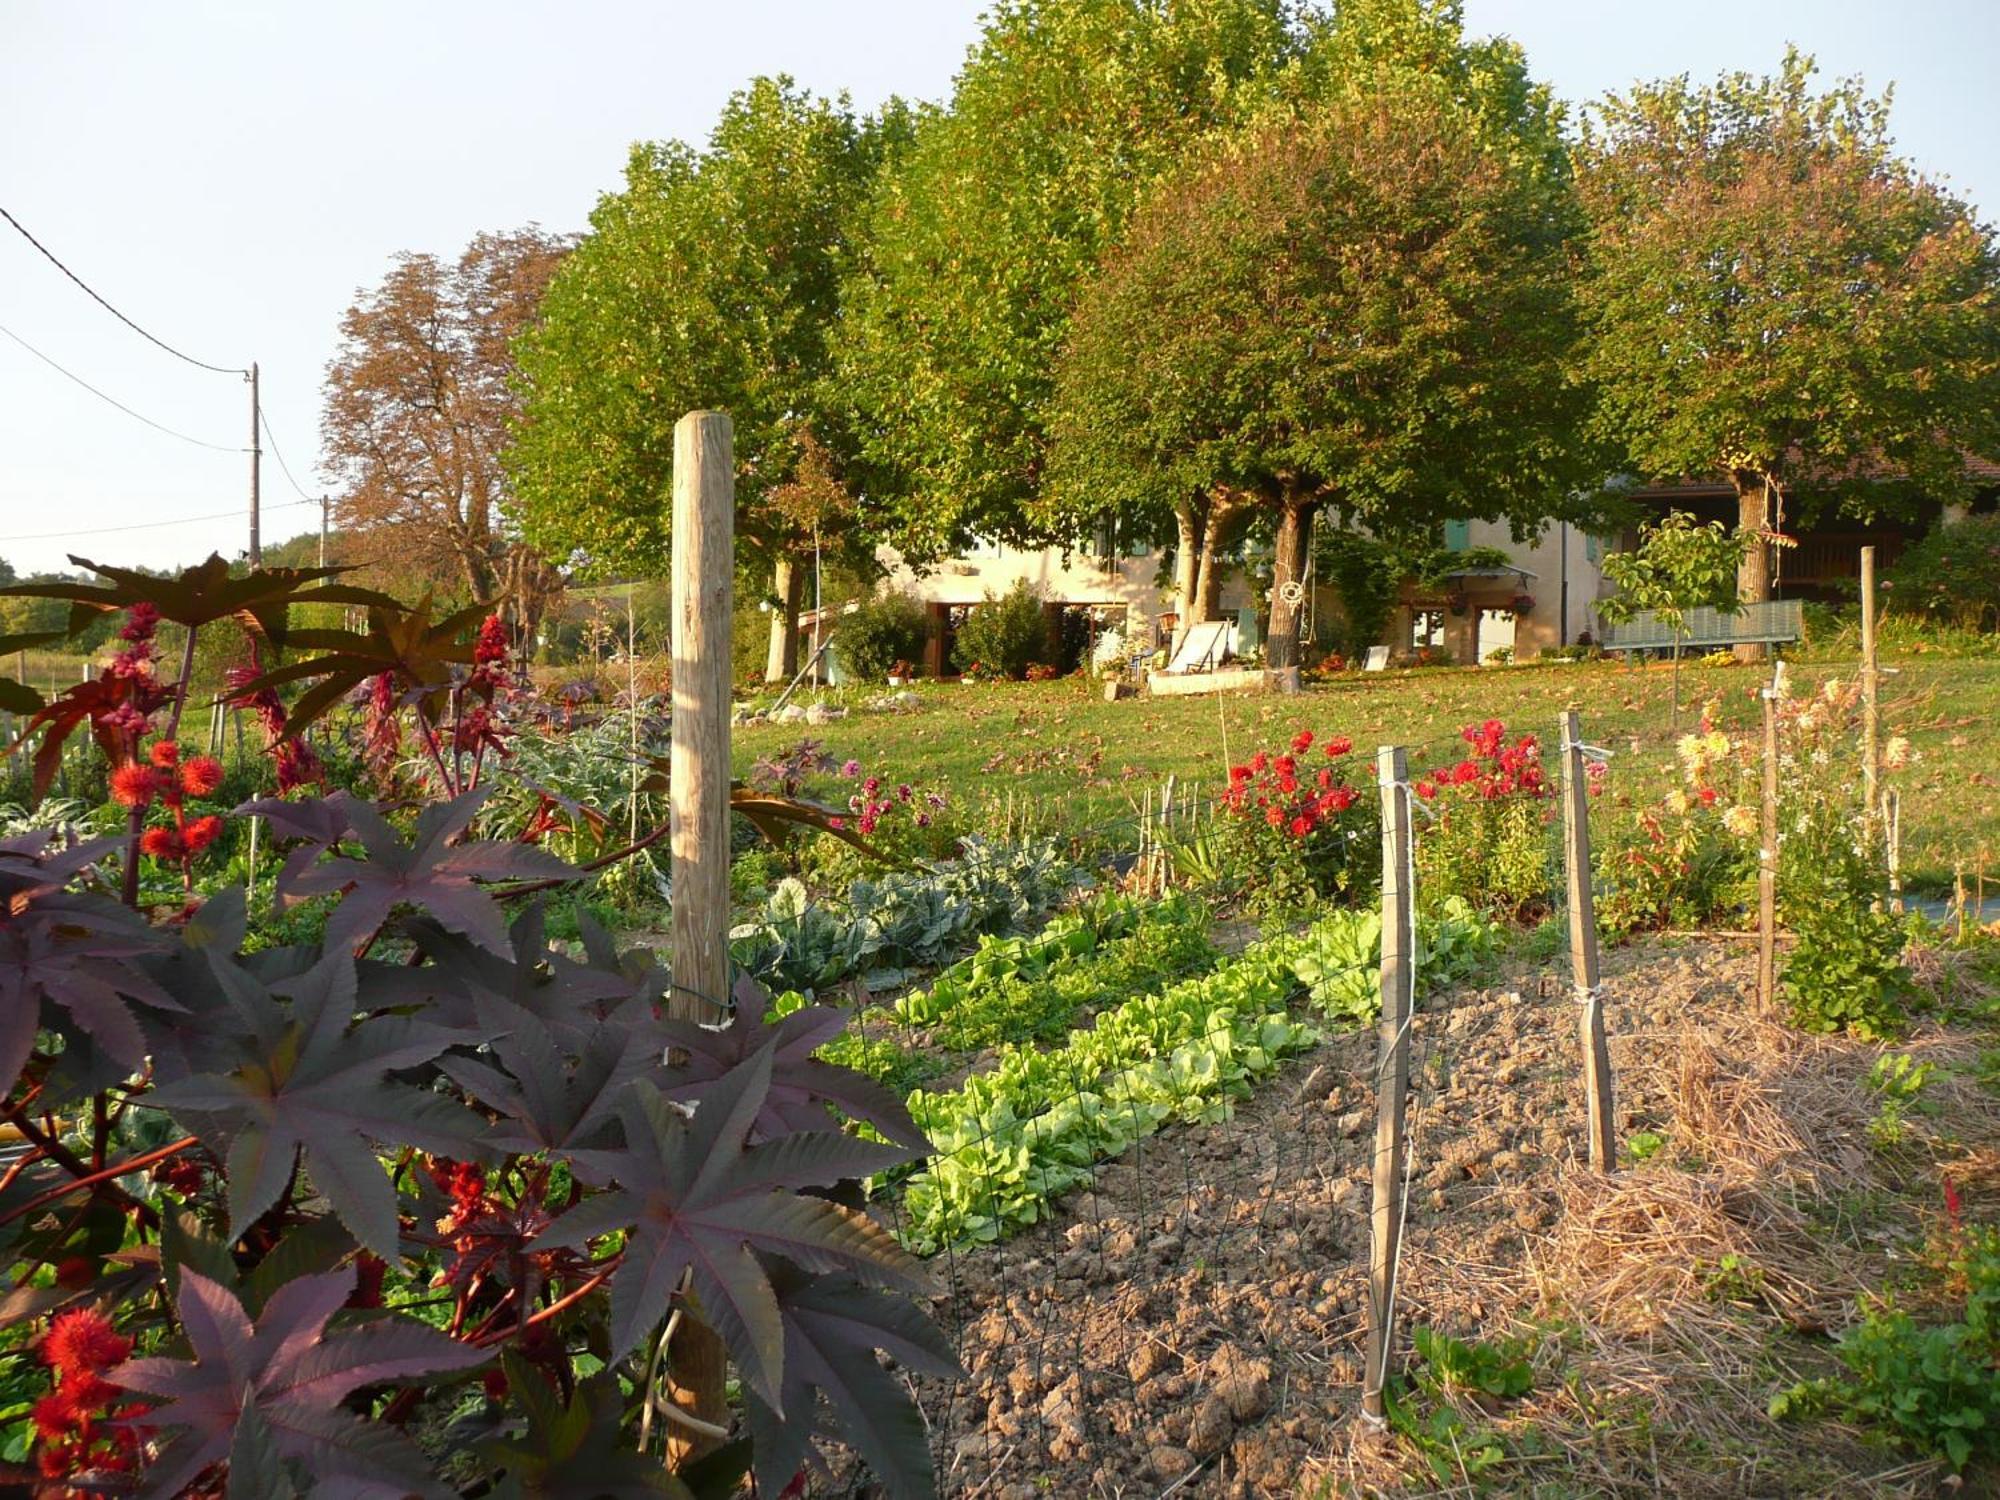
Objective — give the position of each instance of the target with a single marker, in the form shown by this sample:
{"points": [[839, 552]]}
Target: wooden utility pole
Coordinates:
{"points": [[325, 519], [704, 564], [1871, 718], [1392, 1072], [256, 471], [1583, 945], [1767, 862]]}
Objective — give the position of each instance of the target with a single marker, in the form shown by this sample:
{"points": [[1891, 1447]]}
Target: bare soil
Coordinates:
{"points": [[1193, 1325]]}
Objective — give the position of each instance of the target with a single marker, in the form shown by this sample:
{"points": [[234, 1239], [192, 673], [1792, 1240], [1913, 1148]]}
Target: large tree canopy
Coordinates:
{"points": [[710, 281], [1774, 296], [418, 401], [1065, 110], [1359, 303]]}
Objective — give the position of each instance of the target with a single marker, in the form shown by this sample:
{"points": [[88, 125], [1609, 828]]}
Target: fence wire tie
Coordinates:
{"points": [[1590, 752], [1590, 994]]}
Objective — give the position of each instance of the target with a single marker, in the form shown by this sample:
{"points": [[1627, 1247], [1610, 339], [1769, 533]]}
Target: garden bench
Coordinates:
{"points": [[1772, 623]]}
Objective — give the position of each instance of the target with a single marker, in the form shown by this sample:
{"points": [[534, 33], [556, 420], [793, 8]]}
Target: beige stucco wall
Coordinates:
{"points": [[1082, 577]]}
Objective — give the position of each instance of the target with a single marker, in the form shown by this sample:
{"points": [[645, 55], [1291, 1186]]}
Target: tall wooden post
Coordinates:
{"points": [[1871, 717], [704, 564], [1767, 863], [1392, 1071], [1892, 834], [1583, 946]]}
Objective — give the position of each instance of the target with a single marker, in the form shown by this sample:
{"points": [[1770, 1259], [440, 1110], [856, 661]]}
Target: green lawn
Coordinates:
{"points": [[1057, 754]]}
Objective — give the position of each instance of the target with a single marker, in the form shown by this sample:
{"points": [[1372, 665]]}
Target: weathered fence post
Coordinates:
{"points": [[1392, 1071], [1767, 861], [1871, 716], [704, 524], [1583, 946]]}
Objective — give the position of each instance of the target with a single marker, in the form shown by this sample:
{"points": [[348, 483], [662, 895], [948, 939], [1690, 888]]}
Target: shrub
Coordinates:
{"points": [[883, 631], [1953, 573], [1489, 844], [1006, 634]]}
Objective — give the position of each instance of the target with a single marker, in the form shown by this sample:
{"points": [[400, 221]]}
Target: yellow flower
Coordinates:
{"points": [[1897, 754], [1741, 821], [1677, 802]]}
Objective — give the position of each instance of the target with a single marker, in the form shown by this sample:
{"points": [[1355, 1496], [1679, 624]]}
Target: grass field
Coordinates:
{"points": [[1065, 758]]}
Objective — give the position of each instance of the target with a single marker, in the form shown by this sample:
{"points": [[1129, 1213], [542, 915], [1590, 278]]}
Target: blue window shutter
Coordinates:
{"points": [[1457, 535], [1590, 549]]}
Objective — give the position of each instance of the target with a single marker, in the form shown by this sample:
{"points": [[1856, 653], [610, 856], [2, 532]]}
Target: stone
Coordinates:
{"points": [[1169, 1463]]}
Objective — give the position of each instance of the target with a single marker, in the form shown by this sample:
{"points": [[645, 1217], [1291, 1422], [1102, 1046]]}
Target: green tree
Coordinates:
{"points": [[1773, 295], [1359, 304], [710, 281], [1678, 565], [1064, 112]]}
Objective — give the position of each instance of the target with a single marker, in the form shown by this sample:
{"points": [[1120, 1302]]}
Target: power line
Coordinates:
{"points": [[220, 515], [278, 453], [150, 338], [140, 416]]}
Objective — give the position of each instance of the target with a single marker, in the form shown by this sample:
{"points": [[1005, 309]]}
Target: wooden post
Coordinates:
{"points": [[1392, 1072], [1871, 718], [1767, 864], [704, 565], [1583, 946]]}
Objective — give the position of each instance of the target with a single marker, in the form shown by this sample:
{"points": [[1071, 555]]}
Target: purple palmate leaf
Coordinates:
{"points": [[429, 872], [802, 1086], [294, 1375], [307, 1081], [698, 1199]]}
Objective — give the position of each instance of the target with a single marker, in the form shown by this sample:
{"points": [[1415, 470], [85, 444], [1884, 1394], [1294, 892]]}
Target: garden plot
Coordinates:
{"points": [[1193, 1317]]}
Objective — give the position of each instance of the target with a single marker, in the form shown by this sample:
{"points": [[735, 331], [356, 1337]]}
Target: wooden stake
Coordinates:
{"points": [[1583, 946], [1892, 823], [1767, 865], [704, 524], [1392, 1073], [1871, 717]]}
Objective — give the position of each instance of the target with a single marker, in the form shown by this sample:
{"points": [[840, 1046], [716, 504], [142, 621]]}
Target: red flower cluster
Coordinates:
{"points": [[874, 802], [475, 729], [1495, 768], [1289, 795], [79, 1432], [382, 744], [297, 761], [168, 779]]}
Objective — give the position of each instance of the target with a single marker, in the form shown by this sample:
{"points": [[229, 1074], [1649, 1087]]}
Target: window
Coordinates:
{"points": [[1426, 628]]}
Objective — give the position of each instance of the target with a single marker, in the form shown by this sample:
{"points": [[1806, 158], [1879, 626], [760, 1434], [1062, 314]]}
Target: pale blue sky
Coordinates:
{"points": [[228, 174]]}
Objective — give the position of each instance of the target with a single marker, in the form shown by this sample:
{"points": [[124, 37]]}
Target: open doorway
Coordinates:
{"points": [[1495, 633]]}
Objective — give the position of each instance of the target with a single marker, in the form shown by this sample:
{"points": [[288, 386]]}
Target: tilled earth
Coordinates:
{"points": [[1192, 1325]]}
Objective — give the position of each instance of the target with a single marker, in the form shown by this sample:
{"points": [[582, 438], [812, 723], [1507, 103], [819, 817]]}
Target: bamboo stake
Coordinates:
{"points": [[1767, 864], [1871, 715], [1583, 946]]}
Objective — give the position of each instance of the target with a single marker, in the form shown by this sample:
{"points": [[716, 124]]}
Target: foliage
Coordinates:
{"points": [[903, 921], [709, 282], [246, 1154], [1678, 565], [883, 630], [1772, 295], [1426, 215], [1488, 1369], [1014, 1137], [1489, 841], [976, 242], [1007, 634], [1931, 1387], [1023, 989], [1294, 834], [1953, 573], [1846, 973], [1341, 963], [419, 397]]}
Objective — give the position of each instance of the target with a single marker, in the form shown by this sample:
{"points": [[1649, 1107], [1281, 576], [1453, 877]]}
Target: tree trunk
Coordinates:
{"points": [[789, 584], [1288, 582], [1753, 574], [1190, 515], [1217, 533]]}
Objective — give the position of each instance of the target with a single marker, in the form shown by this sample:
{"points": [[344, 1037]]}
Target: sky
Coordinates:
{"points": [[228, 175]]}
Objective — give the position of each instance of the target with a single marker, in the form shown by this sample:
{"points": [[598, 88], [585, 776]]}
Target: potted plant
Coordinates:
{"points": [[1521, 604], [1456, 602], [901, 672]]}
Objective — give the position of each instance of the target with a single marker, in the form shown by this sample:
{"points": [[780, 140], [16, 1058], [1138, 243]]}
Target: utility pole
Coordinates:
{"points": [[325, 511], [256, 469]]}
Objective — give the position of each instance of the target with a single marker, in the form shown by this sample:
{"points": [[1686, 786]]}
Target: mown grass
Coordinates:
{"points": [[1057, 755]]}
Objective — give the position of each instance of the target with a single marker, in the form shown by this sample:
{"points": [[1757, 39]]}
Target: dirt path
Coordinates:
{"points": [[1192, 1326]]}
